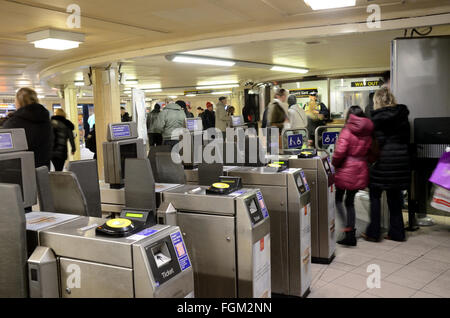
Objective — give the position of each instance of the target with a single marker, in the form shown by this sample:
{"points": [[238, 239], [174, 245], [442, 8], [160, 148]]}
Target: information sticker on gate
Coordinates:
{"points": [[295, 141], [261, 268], [262, 204], [329, 138]]}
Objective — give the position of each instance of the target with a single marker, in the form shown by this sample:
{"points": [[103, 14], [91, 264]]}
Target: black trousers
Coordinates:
{"points": [[171, 143], [155, 139], [58, 163], [395, 202], [347, 218]]}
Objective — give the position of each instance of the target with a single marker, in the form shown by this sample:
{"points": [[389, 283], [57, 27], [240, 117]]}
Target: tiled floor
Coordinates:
{"points": [[417, 268]]}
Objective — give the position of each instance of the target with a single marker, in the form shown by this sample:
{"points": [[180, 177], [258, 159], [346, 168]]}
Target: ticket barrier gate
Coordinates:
{"points": [[228, 239], [287, 197], [321, 182], [74, 259]]}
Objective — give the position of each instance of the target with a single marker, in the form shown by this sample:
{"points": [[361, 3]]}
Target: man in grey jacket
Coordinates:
{"points": [[222, 117], [296, 114], [170, 118]]}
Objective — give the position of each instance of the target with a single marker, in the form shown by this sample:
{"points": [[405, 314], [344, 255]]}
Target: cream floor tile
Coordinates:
{"points": [[365, 294], [390, 290], [440, 286], [421, 294], [354, 259], [386, 267], [342, 266], [440, 253], [330, 275], [399, 258], [412, 277], [334, 291], [430, 265], [351, 280]]}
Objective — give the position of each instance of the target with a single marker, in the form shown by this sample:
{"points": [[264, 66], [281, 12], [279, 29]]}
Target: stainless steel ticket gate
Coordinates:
{"points": [[287, 197], [72, 260], [228, 239], [323, 228], [193, 178]]}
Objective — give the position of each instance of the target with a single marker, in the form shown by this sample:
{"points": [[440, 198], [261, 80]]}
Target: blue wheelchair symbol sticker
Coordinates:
{"points": [[329, 138], [295, 141]]}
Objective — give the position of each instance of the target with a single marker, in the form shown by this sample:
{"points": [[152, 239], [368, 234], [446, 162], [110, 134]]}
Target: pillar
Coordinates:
{"points": [[70, 107], [106, 106]]}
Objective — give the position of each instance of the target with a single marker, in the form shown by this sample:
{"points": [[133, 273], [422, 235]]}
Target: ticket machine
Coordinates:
{"points": [[123, 143], [287, 197], [227, 235]]}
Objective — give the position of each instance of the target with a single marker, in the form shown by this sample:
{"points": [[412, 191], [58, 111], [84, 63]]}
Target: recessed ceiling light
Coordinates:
{"points": [[289, 69], [200, 60], [329, 4], [55, 39]]}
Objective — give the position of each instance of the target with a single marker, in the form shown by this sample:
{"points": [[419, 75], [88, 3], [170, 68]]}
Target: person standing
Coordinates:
{"points": [[154, 137], [222, 117], [185, 109], [296, 114], [170, 118], [35, 119], [209, 117], [350, 160], [277, 110], [63, 132], [369, 107], [391, 172], [318, 114], [124, 116], [199, 112]]}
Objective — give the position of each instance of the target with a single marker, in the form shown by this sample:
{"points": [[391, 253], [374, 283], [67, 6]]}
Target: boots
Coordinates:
{"points": [[349, 238]]}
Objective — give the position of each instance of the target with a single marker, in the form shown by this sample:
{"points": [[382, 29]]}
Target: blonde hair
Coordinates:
{"points": [[26, 96], [383, 98], [60, 112]]}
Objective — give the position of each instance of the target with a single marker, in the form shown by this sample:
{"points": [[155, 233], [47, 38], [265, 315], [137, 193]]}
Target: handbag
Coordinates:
{"points": [[441, 174], [441, 199]]}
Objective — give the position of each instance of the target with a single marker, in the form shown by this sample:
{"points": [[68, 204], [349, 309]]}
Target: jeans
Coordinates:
{"points": [[395, 202], [349, 218]]}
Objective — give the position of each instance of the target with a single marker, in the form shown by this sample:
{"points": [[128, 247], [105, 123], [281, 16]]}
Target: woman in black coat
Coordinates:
{"points": [[391, 172], [35, 119], [63, 132]]}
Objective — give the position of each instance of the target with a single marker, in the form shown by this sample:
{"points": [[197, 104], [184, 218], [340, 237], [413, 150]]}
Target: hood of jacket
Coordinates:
{"points": [[390, 117], [173, 106], [66, 122], [34, 113], [359, 126]]}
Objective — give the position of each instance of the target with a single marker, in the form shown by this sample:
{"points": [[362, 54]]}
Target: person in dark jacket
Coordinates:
{"points": [[277, 113], [154, 137], [352, 170], [35, 119], [186, 111], [91, 142], [63, 132], [209, 117], [369, 107], [391, 172], [124, 116]]}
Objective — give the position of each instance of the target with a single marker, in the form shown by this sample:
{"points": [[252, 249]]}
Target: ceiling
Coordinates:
{"points": [[135, 25], [352, 53]]}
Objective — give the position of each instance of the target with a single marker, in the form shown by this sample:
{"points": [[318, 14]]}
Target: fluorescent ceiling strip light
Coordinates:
{"points": [[153, 90], [56, 44], [289, 69], [202, 60], [221, 93], [79, 83], [173, 96], [217, 86], [131, 82], [329, 4], [190, 95]]}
